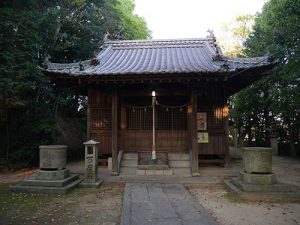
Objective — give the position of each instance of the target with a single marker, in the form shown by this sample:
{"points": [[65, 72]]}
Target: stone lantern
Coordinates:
{"points": [[91, 165]]}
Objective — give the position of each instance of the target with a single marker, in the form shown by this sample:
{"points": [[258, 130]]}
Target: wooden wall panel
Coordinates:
{"points": [[214, 104], [104, 147], [172, 141], [100, 119]]}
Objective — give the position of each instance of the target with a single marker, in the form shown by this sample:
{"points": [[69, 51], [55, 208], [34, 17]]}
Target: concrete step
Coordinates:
{"points": [[130, 156], [179, 163], [179, 156], [129, 163], [128, 170], [182, 171]]}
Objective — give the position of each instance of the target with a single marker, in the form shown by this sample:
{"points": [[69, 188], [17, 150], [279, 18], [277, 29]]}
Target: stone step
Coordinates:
{"points": [[179, 163], [51, 183], [182, 171], [129, 163], [128, 170], [43, 189], [130, 156], [144, 172], [178, 156]]}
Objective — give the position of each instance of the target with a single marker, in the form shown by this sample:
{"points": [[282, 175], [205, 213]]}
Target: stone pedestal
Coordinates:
{"points": [[52, 176], [53, 157], [257, 166], [256, 180], [257, 160]]}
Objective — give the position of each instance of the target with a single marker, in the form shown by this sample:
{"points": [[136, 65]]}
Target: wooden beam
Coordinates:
{"points": [[114, 138], [194, 141]]}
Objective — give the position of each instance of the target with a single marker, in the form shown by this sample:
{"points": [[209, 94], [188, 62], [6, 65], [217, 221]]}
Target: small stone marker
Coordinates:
{"points": [[91, 165]]}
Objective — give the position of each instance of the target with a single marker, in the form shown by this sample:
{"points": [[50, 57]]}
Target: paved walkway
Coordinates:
{"points": [[162, 204]]}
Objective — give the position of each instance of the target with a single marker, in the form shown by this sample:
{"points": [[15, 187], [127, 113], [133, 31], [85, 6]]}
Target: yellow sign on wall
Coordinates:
{"points": [[202, 137]]}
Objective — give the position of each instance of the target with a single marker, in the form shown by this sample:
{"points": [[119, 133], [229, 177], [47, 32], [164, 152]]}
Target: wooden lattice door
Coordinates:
{"points": [[170, 125]]}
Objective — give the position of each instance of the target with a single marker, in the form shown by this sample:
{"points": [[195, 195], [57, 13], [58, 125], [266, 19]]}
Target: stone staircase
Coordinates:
{"points": [[179, 163], [129, 164]]}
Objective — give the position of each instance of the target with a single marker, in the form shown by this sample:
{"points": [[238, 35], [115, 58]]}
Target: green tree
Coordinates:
{"points": [[234, 35], [276, 32], [32, 109]]}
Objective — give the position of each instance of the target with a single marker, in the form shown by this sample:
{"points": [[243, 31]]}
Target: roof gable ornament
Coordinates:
{"points": [[211, 34], [94, 62], [106, 35], [81, 67]]}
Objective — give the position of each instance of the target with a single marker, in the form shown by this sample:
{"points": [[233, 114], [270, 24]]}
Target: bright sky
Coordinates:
{"points": [[192, 18]]}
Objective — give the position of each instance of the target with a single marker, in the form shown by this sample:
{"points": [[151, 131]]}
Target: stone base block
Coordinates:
{"points": [[52, 174], [154, 172], [274, 192], [85, 184], [51, 183], [153, 167], [278, 187], [261, 179], [48, 187]]}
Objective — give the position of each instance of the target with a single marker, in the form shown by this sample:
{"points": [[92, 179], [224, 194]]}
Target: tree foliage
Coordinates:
{"points": [[234, 35], [273, 103], [32, 31]]}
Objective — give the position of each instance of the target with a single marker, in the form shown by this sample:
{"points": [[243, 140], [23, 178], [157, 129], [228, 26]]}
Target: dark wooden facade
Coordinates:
{"points": [[125, 116]]}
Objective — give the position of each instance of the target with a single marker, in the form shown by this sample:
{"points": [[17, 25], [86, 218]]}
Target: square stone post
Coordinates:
{"points": [[91, 164]]}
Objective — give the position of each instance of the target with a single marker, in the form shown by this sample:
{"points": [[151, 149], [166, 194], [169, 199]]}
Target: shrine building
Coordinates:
{"points": [[187, 82]]}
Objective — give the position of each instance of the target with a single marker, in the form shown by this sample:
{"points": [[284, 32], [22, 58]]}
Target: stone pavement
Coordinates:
{"points": [[162, 204]]}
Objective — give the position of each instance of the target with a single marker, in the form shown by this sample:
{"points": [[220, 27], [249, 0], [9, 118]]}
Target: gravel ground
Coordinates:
{"points": [[224, 207], [103, 206], [227, 211]]}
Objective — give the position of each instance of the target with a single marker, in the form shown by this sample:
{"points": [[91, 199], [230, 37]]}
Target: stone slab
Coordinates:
{"points": [[51, 183], [278, 187], [293, 196], [85, 184], [162, 204], [153, 167], [52, 174], [46, 190], [261, 179]]}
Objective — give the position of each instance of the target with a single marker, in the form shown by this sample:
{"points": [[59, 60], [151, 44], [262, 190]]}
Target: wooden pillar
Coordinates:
{"points": [[114, 138], [123, 128], [88, 115], [194, 138], [226, 134]]}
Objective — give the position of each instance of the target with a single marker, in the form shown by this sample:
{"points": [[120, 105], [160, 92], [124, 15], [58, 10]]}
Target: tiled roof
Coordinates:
{"points": [[158, 57]]}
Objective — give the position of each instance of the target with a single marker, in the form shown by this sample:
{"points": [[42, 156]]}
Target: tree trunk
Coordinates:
{"points": [[7, 136], [292, 143]]}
